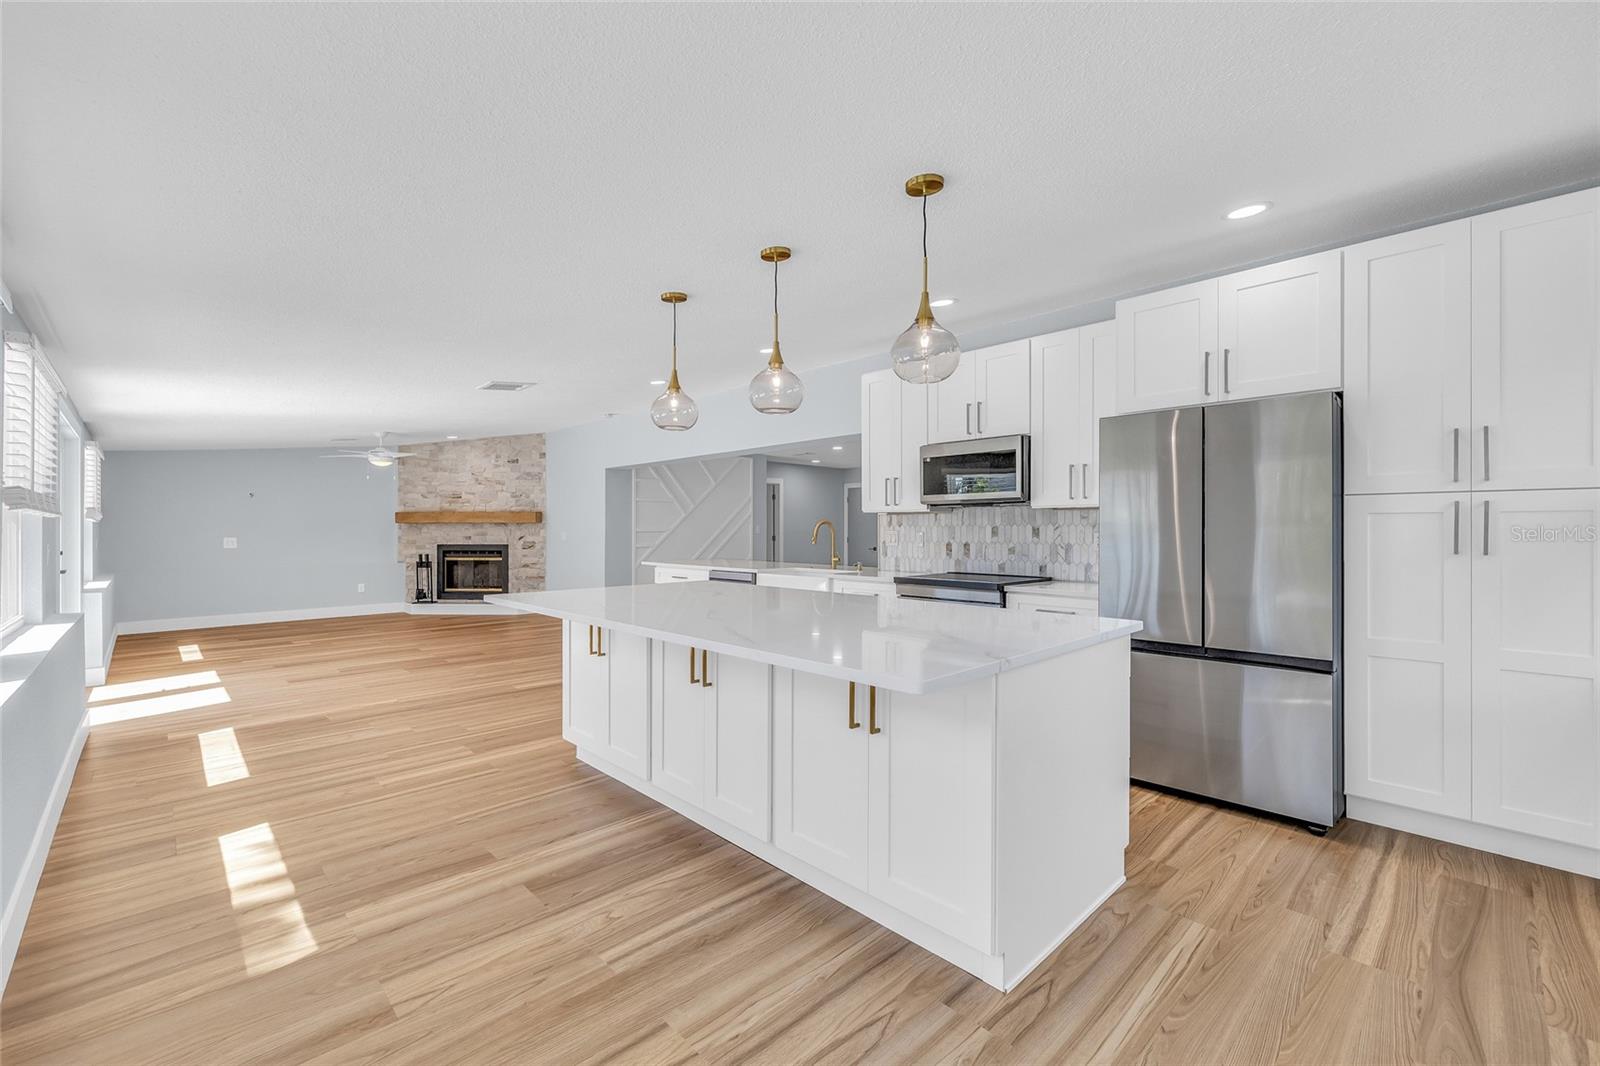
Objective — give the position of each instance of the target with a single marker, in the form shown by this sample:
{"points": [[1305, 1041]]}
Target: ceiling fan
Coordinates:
{"points": [[379, 456]]}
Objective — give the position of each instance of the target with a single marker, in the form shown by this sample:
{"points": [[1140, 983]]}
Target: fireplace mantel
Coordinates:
{"points": [[416, 518]]}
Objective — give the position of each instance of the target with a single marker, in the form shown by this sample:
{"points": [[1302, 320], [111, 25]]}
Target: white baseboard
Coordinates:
{"points": [[1557, 853], [94, 675], [21, 901], [217, 621], [462, 607]]}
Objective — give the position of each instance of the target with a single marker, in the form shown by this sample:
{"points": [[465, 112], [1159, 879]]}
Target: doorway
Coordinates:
{"points": [[69, 536], [774, 521]]}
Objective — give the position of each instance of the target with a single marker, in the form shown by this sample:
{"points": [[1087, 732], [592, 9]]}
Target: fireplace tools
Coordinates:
{"points": [[424, 579]]}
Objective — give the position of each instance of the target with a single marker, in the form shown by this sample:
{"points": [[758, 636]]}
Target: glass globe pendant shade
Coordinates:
{"points": [[927, 352], [776, 391], [674, 409]]}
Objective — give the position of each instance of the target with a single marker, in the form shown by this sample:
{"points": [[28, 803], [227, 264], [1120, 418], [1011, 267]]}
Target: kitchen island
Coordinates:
{"points": [[958, 774]]}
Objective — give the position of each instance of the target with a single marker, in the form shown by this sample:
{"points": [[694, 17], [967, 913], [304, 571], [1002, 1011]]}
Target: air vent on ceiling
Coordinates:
{"points": [[506, 386]]}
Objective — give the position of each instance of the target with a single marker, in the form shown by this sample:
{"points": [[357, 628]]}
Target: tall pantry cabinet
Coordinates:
{"points": [[1472, 530]]}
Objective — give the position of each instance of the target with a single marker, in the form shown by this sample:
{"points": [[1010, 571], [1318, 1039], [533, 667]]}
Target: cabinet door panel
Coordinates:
{"points": [[1167, 347], [881, 440], [678, 748], [1279, 327], [1099, 376], [1408, 654], [932, 779], [952, 403], [738, 729], [628, 709], [907, 485], [1001, 399], [1057, 414], [820, 773], [1408, 361], [588, 689], [1535, 648], [1536, 344]]}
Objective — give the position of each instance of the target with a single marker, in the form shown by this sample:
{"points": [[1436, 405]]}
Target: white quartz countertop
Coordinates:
{"points": [[1072, 590], [897, 644]]}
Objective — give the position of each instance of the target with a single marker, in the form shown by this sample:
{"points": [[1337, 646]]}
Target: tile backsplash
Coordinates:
{"points": [[1062, 544]]}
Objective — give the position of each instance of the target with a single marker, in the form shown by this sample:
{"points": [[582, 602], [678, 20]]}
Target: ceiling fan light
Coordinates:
{"points": [[380, 460]]}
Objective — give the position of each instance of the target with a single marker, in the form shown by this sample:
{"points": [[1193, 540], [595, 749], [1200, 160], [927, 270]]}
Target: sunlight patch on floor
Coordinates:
{"points": [[150, 686], [168, 704], [272, 927], [221, 758]]}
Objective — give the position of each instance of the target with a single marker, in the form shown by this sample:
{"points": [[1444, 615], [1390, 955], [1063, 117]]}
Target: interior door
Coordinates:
{"points": [[1536, 345], [1408, 361], [738, 732], [932, 803], [1279, 328], [1167, 347], [1271, 520], [1001, 405], [678, 753], [1535, 649], [588, 684], [953, 401], [820, 773], [1150, 518], [1408, 650]]}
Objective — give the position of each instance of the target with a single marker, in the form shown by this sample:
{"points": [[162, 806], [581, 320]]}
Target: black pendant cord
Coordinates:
{"points": [[924, 225], [774, 289], [674, 339]]}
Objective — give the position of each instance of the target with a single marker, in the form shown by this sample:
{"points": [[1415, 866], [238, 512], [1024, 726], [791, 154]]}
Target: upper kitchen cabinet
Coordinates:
{"points": [[1535, 342], [1167, 340], [1408, 361], [1263, 332], [1278, 328], [1074, 385], [894, 427], [987, 396]]}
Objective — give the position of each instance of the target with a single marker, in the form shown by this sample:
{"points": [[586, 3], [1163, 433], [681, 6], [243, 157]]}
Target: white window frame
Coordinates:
{"points": [[93, 479], [30, 433]]}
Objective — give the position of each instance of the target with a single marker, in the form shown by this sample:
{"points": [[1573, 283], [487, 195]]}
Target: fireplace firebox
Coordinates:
{"points": [[469, 571]]}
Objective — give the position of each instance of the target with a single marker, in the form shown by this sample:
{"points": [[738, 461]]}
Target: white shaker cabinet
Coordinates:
{"points": [[894, 427], [932, 809], [820, 773], [1073, 386], [987, 396], [1408, 651], [606, 707], [1408, 361], [1535, 653], [1536, 344], [677, 715], [1279, 328], [1166, 344]]}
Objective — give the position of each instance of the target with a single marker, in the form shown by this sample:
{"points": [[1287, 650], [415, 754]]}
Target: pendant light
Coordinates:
{"points": [[927, 352], [674, 409], [777, 389]]}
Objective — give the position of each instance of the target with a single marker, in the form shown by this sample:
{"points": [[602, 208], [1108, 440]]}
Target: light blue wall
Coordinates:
{"points": [[309, 529], [579, 457], [809, 493]]}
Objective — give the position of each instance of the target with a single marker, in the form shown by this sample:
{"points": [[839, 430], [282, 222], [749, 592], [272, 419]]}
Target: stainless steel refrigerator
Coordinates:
{"points": [[1220, 530]]}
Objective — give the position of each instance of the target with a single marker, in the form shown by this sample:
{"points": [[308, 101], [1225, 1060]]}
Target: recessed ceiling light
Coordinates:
{"points": [[944, 302], [659, 381], [505, 386], [816, 460], [1247, 211], [452, 436], [838, 447]]}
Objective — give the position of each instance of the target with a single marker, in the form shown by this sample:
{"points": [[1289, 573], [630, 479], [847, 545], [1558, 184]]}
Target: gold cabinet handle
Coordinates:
{"points": [[599, 641], [591, 640], [853, 723], [692, 679], [872, 709], [705, 674]]}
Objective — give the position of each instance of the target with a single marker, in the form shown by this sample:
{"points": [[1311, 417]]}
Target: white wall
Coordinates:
{"points": [[309, 529], [580, 457]]}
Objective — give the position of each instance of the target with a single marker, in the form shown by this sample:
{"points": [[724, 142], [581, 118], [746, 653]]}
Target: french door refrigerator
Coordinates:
{"points": [[1220, 530]]}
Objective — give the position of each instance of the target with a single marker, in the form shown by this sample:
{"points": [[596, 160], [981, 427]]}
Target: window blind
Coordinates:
{"points": [[32, 413], [93, 463]]}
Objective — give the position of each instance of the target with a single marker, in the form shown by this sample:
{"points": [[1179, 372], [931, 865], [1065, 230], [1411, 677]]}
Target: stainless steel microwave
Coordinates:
{"points": [[962, 473]]}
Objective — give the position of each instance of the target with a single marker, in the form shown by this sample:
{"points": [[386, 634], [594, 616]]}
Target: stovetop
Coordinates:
{"points": [[962, 579]]}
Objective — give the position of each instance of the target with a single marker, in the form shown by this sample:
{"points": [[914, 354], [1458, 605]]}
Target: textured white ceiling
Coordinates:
{"points": [[842, 453], [279, 224]]}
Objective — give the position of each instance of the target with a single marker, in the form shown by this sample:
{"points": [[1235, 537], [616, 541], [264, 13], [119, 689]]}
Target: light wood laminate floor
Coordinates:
{"points": [[365, 840]]}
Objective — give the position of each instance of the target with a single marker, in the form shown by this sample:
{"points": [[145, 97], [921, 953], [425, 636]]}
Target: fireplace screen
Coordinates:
{"points": [[469, 571]]}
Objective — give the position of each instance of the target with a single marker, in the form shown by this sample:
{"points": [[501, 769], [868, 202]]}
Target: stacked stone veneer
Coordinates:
{"points": [[1061, 544], [488, 474]]}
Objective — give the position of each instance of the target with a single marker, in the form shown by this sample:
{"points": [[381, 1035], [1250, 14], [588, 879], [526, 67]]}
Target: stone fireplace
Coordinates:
{"points": [[458, 477]]}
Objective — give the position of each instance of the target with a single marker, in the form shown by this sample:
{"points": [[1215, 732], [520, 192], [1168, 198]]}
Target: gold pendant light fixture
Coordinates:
{"points": [[926, 352], [674, 409], [777, 389]]}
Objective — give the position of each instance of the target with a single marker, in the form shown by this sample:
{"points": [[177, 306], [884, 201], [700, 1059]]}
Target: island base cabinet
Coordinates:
{"points": [[819, 773], [606, 705], [931, 805]]}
